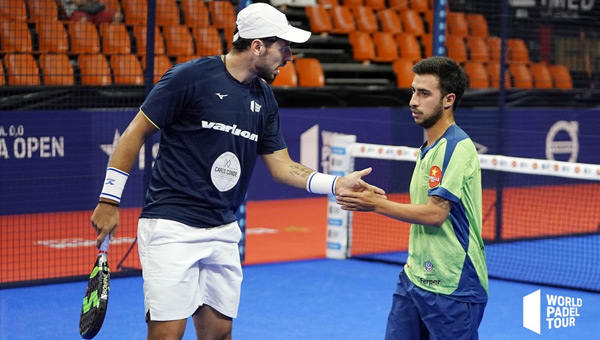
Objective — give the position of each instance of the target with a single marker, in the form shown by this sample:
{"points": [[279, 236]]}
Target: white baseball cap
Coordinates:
{"points": [[261, 20]]}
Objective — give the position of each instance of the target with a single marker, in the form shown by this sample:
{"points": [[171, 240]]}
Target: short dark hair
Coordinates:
{"points": [[242, 44], [451, 77]]}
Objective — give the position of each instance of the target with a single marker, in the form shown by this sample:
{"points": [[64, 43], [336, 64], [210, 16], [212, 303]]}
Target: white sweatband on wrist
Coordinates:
{"points": [[319, 183], [114, 183]]}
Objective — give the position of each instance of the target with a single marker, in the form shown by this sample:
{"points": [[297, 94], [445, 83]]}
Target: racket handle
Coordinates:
{"points": [[104, 244]]}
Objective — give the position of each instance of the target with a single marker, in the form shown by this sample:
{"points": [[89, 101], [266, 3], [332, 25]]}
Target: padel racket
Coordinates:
{"points": [[95, 300]]}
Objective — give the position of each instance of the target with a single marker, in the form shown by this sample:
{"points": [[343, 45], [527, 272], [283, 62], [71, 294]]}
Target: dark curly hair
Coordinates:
{"points": [[451, 77]]}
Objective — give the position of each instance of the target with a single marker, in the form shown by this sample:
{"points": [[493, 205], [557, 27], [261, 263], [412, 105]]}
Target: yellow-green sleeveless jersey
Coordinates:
{"points": [[450, 259]]}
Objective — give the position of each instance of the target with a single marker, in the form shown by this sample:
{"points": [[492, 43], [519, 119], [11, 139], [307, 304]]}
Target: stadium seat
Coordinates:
{"points": [[362, 46], [478, 49], [184, 58], [52, 37], [222, 13], [178, 40], [162, 64], [493, 69], [287, 76], [94, 70], [404, 75], [328, 3], [353, 3], [167, 13], [43, 10], [477, 25], [457, 24], [342, 20], [115, 38], [13, 10], [139, 33], [318, 19], [427, 44], [521, 76], [561, 77], [127, 69], [113, 5], [541, 76], [456, 48], [375, 4], [22, 69], [195, 13], [398, 5], [421, 6], [84, 37], [56, 70], [517, 51], [16, 37], [409, 46], [412, 22], [386, 49], [208, 41], [135, 12], [2, 74], [366, 20], [495, 46], [310, 72], [477, 75], [389, 21]]}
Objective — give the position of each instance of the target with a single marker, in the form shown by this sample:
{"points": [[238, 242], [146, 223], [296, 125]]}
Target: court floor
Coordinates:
{"points": [[296, 300]]}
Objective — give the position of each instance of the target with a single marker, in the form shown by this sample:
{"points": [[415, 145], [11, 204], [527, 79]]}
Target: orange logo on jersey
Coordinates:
{"points": [[435, 176]]}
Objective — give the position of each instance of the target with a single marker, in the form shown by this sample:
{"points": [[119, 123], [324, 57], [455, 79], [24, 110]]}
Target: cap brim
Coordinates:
{"points": [[295, 35]]}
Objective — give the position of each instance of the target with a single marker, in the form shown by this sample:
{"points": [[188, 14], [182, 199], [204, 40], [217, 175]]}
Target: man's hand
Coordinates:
{"points": [[354, 182], [105, 220], [365, 200]]}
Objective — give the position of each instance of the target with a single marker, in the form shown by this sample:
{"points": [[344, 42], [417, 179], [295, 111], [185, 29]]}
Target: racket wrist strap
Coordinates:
{"points": [[114, 183], [320, 183]]}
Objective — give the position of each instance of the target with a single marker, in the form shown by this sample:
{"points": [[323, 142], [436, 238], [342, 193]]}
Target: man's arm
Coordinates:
{"points": [[106, 216], [434, 213]]}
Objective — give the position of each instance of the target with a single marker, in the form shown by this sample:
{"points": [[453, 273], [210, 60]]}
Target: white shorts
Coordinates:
{"points": [[186, 267]]}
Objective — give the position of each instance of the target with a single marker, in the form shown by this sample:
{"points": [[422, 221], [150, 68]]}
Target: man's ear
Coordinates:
{"points": [[256, 46], [449, 101]]}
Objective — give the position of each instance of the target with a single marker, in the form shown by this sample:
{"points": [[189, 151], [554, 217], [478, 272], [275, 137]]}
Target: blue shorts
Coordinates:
{"points": [[418, 314]]}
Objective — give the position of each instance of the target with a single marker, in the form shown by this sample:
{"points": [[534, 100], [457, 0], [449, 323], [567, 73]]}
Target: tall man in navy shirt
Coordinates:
{"points": [[216, 115]]}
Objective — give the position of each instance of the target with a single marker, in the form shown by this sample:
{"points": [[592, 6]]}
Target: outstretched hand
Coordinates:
{"points": [[354, 183]]}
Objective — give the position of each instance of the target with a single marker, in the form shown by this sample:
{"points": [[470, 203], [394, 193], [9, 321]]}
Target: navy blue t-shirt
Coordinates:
{"points": [[212, 129]]}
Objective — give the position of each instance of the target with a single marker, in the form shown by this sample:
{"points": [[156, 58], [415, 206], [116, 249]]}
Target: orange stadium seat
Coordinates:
{"points": [[162, 64], [22, 69], [521, 76], [84, 37], [390, 21], [420, 6], [13, 10], [94, 70], [195, 13], [167, 12], [493, 69], [366, 20], [412, 22], [427, 43], [409, 46], [457, 50], [328, 3], [222, 13], [517, 51], [287, 76], [16, 37], [477, 25], [561, 77], [404, 74], [318, 19], [139, 33], [52, 37], [178, 40], [115, 38], [43, 10], [310, 72], [184, 58], [135, 11], [398, 5], [113, 5], [353, 3], [386, 49], [477, 75], [457, 24], [495, 45], [375, 4], [208, 41], [57, 69], [2, 74], [541, 76], [478, 49], [127, 69], [342, 19], [363, 48]]}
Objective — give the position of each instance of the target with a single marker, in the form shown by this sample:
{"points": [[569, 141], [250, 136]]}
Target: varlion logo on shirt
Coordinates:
{"points": [[435, 176], [233, 129]]}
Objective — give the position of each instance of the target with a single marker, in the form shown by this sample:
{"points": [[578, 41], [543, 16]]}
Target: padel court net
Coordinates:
{"points": [[541, 218]]}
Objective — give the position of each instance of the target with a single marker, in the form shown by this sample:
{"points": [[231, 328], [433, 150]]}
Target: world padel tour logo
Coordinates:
{"points": [[558, 311], [435, 176]]}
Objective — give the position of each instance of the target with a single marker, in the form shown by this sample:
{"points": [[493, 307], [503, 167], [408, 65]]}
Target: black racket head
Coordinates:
{"points": [[95, 300]]}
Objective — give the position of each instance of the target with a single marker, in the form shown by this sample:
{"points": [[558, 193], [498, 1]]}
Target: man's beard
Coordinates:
{"points": [[430, 121], [266, 74]]}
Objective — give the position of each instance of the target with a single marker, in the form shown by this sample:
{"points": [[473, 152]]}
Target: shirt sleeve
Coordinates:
{"points": [[272, 138]]}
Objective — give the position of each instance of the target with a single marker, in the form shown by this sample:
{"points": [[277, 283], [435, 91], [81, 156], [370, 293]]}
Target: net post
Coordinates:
{"points": [[339, 226]]}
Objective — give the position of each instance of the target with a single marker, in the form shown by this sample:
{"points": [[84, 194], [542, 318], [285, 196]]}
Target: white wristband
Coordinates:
{"points": [[114, 183], [319, 183]]}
